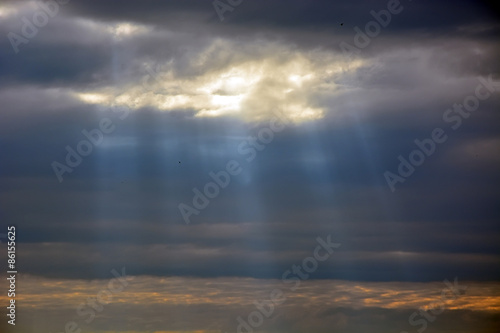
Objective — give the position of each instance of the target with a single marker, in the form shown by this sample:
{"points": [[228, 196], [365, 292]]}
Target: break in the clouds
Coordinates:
{"points": [[165, 94]]}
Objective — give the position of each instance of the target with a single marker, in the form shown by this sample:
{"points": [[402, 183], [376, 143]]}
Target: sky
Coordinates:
{"points": [[251, 166]]}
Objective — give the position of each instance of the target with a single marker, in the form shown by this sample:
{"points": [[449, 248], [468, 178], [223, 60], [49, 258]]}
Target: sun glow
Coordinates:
{"points": [[6, 11], [93, 98], [252, 90], [125, 29]]}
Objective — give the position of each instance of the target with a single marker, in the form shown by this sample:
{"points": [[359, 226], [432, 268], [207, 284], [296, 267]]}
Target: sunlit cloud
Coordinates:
{"points": [[244, 291], [7, 11], [126, 29], [93, 98], [252, 89], [21, 7], [150, 296]]}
